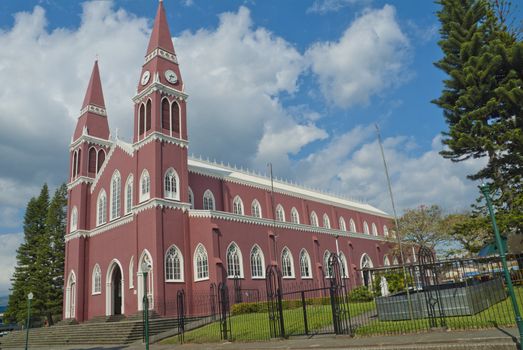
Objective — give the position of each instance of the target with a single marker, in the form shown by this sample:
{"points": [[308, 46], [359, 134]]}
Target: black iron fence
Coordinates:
{"points": [[422, 296]]}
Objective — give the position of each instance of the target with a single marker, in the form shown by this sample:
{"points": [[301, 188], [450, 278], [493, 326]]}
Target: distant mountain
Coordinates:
{"points": [[3, 300]]}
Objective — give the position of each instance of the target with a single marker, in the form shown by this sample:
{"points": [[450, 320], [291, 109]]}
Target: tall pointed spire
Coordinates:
{"points": [[94, 94], [160, 36], [93, 116]]}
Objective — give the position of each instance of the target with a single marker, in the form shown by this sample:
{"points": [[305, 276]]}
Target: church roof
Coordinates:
{"points": [[94, 94], [160, 36]]}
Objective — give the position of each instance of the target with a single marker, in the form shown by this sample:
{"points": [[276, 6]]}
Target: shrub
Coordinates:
{"points": [[360, 294]]}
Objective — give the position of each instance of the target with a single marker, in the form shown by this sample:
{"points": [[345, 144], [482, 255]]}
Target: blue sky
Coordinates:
{"points": [[296, 83]]}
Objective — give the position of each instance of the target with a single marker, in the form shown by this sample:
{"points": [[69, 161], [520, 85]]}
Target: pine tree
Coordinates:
{"points": [[56, 226], [482, 101], [24, 279]]}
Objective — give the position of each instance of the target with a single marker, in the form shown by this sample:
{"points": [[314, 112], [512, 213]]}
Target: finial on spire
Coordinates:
{"points": [[160, 36]]}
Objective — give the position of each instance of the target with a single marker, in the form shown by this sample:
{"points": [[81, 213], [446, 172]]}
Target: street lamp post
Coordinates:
{"points": [[29, 298], [485, 189], [146, 267]]}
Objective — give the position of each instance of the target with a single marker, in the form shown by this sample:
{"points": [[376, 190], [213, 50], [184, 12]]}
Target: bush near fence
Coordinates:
{"points": [[262, 306]]}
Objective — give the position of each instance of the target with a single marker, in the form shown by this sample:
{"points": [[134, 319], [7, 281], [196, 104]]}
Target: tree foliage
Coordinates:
{"points": [[423, 226], [482, 99], [40, 259], [470, 231]]}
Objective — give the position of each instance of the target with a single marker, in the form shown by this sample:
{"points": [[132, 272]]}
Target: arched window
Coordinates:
{"points": [[395, 261], [386, 261], [131, 273], [326, 221], [116, 189], [208, 200], [385, 231], [75, 164], [97, 280], [166, 123], [280, 213], [175, 113], [366, 228], [314, 219], [256, 209], [92, 161], [78, 162], [295, 217], [141, 120], [305, 264], [287, 264], [74, 219], [191, 198], [352, 226], [237, 205], [129, 194], [366, 263], [201, 263], [173, 265], [343, 266], [326, 267], [100, 161], [374, 229], [171, 185], [101, 205], [145, 186], [234, 261], [343, 227], [257, 262], [148, 116]]}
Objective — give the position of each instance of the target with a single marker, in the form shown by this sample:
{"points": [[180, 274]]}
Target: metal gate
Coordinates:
{"points": [[338, 295], [430, 285], [274, 302], [225, 316], [180, 303]]}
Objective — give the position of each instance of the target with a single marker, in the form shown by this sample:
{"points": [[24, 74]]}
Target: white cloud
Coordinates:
{"points": [[9, 243], [370, 58], [355, 167], [325, 6]]}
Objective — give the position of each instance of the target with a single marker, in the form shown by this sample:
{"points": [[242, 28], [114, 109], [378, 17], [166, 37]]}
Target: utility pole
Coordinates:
{"points": [[396, 222]]}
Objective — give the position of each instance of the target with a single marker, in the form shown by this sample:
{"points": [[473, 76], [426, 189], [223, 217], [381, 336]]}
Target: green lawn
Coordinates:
{"points": [[500, 314], [255, 326]]}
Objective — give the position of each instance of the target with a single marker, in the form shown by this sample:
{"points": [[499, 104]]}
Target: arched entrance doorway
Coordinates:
{"points": [[145, 258], [114, 289]]}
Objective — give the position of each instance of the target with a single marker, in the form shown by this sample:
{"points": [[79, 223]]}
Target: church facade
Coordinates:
{"points": [[194, 222]]}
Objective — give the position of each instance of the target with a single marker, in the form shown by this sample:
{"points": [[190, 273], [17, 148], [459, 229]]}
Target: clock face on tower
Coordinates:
{"points": [[145, 77], [171, 76]]}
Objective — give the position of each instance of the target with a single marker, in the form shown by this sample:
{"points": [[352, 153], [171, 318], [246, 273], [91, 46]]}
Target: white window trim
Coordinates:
{"points": [[131, 273], [181, 279], [326, 221], [172, 195], [195, 264], [326, 264], [308, 263], [145, 196], [352, 225], [116, 175], [238, 200], [293, 274], [74, 220], [191, 197], [343, 224], [314, 219], [344, 265], [104, 216], [240, 258], [279, 209], [130, 181], [385, 231], [262, 263], [374, 229], [208, 194], [295, 211], [256, 204], [96, 268], [366, 228]]}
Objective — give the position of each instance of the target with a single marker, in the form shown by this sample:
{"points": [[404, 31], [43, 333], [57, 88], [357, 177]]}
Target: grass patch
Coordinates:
{"points": [[255, 326]]}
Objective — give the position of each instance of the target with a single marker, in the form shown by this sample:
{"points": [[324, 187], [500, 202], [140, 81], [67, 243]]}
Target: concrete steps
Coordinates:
{"points": [[107, 332]]}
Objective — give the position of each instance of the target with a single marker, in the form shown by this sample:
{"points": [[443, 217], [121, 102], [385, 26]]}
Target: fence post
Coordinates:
{"points": [[280, 311], [335, 318], [304, 305]]}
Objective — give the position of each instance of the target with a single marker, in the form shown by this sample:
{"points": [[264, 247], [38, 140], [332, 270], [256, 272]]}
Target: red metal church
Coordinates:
{"points": [[195, 222]]}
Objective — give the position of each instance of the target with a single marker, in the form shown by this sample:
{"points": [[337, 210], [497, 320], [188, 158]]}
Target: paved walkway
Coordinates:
{"points": [[445, 340]]}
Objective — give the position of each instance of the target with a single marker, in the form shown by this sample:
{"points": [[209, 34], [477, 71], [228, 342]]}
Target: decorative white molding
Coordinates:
{"points": [[158, 86], [158, 136], [221, 215], [162, 53], [124, 146], [224, 173], [94, 109], [90, 139], [79, 180], [105, 227], [161, 203]]}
